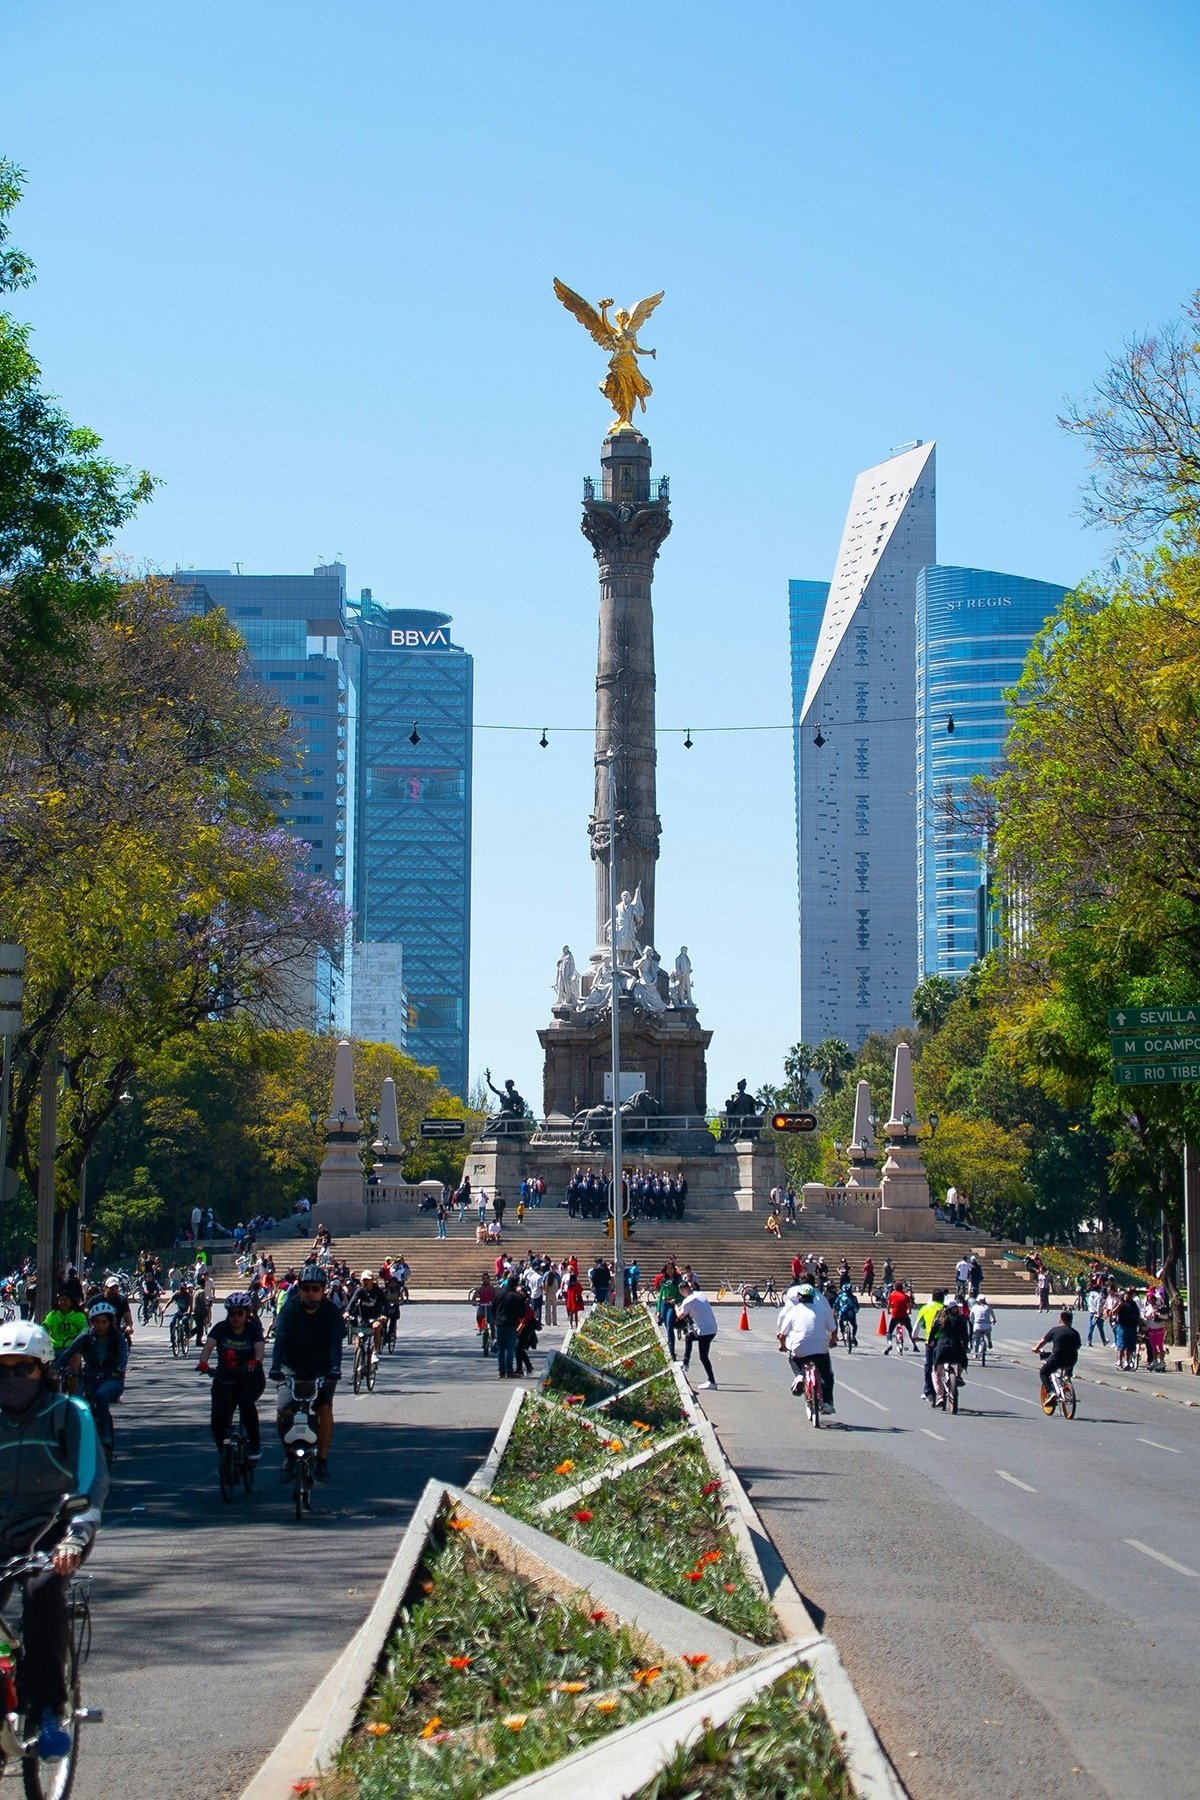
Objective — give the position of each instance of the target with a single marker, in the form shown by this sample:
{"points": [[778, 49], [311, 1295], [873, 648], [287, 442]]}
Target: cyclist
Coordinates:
{"points": [[369, 1307], [309, 1334], [401, 1272], [120, 1305], [806, 1330], [845, 1309], [950, 1336], [983, 1318], [148, 1290], [202, 1297], [391, 1293], [53, 1448], [65, 1323], [1064, 1344], [899, 1317], [925, 1317], [181, 1306], [237, 1341], [95, 1363]]}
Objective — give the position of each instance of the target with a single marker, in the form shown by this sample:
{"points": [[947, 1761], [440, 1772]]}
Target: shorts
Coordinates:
{"points": [[283, 1398]]}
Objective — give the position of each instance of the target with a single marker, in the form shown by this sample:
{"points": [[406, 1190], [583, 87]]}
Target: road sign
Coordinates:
{"points": [[793, 1121], [1150, 1074], [1153, 1018], [443, 1128], [1136, 1046]]}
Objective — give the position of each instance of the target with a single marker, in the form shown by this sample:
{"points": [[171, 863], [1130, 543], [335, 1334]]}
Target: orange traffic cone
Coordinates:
{"points": [[744, 1321]]}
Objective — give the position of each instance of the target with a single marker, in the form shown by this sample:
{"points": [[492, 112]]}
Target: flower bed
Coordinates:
{"points": [[1065, 1265], [653, 1407], [780, 1744], [551, 1447], [488, 1677], [570, 1383], [664, 1524]]}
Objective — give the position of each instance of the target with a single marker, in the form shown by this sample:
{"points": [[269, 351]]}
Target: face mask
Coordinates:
{"points": [[18, 1393]]}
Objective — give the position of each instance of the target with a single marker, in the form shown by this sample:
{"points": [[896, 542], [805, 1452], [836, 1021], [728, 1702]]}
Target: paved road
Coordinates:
{"points": [[1017, 1598], [214, 1623]]}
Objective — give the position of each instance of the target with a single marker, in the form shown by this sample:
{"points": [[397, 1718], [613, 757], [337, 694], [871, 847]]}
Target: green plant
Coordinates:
{"points": [[780, 1744]]}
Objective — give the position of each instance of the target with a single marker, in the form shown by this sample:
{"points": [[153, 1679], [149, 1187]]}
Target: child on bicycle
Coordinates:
{"points": [[238, 1380], [845, 1308]]}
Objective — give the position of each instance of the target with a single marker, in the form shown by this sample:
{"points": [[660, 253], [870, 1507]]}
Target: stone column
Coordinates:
{"points": [[626, 528], [341, 1177], [862, 1144], [904, 1188]]}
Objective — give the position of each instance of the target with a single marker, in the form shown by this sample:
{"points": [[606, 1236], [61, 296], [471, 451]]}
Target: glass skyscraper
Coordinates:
{"points": [[974, 629], [413, 876], [296, 630]]}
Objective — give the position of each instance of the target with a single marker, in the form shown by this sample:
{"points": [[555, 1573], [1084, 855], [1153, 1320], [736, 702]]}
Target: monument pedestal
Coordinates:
{"points": [[665, 1051], [752, 1168]]}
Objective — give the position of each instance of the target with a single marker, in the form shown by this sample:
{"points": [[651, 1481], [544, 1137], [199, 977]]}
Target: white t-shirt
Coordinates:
{"points": [[698, 1309], [982, 1317], [962, 1269], [807, 1325]]}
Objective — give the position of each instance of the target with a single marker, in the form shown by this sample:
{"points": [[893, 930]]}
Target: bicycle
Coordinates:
{"points": [[300, 1440], [389, 1334], [946, 1378], [981, 1343], [45, 1778], [849, 1333], [233, 1465], [181, 1331], [366, 1359], [1062, 1394], [147, 1308], [812, 1392], [101, 1416]]}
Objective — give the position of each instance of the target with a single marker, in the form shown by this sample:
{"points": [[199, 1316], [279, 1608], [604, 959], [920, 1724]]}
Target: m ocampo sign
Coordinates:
{"points": [[421, 640], [1149, 1074], [443, 1128], [1153, 1018], [1138, 1046]]}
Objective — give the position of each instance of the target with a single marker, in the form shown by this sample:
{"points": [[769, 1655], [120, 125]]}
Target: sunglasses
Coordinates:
{"points": [[312, 1287], [22, 1368]]}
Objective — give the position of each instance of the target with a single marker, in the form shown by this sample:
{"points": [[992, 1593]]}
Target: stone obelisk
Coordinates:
{"points": [[626, 519]]}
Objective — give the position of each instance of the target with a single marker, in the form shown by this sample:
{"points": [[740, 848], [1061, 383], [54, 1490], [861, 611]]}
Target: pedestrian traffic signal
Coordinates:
{"points": [[793, 1121]]}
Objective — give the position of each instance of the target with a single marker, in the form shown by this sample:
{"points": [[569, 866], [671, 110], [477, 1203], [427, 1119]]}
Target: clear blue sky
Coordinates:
{"points": [[296, 260]]}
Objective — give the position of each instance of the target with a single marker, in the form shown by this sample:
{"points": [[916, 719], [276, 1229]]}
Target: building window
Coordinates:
{"points": [[861, 692], [862, 870]]}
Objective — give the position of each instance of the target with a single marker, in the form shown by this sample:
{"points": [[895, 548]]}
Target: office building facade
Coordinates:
{"points": [[973, 632], [855, 754], [297, 632], [413, 874]]}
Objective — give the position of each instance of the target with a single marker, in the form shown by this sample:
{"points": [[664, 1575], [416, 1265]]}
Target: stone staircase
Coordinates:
{"points": [[728, 1250]]}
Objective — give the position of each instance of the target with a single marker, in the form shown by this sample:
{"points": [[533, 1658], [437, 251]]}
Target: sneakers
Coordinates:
{"points": [[705, 1386], [887, 1349], [53, 1738], [798, 1385], [828, 1408], [322, 1472], [253, 1456]]}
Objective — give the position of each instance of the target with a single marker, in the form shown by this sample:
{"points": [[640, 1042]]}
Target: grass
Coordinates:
{"points": [[489, 1677], [544, 1441], [780, 1744], [664, 1524]]}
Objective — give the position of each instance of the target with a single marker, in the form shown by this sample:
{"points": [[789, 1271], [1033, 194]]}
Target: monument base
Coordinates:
{"points": [[661, 1053], [752, 1169]]}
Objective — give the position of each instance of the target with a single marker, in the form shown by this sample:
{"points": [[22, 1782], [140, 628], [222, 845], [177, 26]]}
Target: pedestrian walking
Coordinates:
{"points": [[441, 1218], [1043, 1290], [550, 1296], [1095, 1313], [694, 1309]]}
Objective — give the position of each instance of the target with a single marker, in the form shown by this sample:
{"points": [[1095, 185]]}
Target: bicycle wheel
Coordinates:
{"points": [[952, 1389], [358, 1368], [176, 1346], [227, 1470], [52, 1777], [1068, 1397], [298, 1495], [247, 1471], [372, 1370]]}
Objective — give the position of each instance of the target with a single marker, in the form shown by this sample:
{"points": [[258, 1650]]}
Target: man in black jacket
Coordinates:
{"points": [[309, 1334], [510, 1306]]}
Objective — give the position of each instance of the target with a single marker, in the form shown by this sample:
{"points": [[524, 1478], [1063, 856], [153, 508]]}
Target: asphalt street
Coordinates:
{"points": [[214, 1622], [1017, 1598]]}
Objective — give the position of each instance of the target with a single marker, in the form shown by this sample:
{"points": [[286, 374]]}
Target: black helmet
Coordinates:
{"points": [[314, 1272]]}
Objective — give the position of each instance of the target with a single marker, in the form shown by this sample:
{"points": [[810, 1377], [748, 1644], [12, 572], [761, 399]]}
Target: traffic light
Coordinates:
{"points": [[793, 1121]]}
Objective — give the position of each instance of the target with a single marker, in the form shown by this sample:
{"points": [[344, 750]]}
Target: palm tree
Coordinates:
{"points": [[932, 1000], [831, 1060], [797, 1067]]}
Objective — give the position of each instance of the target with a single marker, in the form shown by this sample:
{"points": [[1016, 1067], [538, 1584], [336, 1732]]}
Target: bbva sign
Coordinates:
{"points": [[420, 640]]}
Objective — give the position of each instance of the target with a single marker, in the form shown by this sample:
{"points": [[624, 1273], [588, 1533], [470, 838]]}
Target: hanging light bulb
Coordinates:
{"points": [[819, 740], [543, 740], [687, 742], [414, 736]]}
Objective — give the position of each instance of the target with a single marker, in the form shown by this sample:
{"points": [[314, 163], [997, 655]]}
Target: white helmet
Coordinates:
{"points": [[21, 1337]]}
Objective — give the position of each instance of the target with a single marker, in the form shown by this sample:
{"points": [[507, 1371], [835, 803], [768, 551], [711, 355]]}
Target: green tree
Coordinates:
{"points": [[61, 503], [831, 1060], [932, 1000]]}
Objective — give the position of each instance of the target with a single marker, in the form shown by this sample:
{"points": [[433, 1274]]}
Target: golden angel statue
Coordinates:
{"points": [[625, 386]]}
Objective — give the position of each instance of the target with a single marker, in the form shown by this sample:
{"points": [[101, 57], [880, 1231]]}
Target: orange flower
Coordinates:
{"points": [[304, 1787], [693, 1574], [427, 1587], [697, 1660], [568, 1687], [709, 1556], [615, 1444], [515, 1721], [564, 1467], [457, 1524], [378, 1729], [730, 1588], [459, 1662], [605, 1706], [583, 1516], [646, 1676], [430, 1726], [640, 1425]]}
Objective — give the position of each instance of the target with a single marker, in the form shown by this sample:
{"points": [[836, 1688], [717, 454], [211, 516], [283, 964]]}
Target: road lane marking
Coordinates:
{"points": [[1154, 1446], [866, 1397], [933, 1434], [1007, 1395], [1179, 1568], [1023, 1485]]}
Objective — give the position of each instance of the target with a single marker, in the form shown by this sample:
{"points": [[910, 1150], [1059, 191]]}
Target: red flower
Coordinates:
{"points": [[583, 1516], [597, 1618], [696, 1660], [710, 1488], [459, 1662], [730, 1588], [693, 1574]]}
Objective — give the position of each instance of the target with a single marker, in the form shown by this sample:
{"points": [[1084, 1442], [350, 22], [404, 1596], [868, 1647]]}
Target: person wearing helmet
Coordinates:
{"points": [[238, 1344], [309, 1334], [950, 1340], [983, 1318], [369, 1307], [53, 1444], [806, 1330], [95, 1366], [120, 1305], [925, 1318]]}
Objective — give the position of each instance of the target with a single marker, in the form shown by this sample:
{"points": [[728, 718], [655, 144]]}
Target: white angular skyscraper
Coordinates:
{"points": [[856, 763]]}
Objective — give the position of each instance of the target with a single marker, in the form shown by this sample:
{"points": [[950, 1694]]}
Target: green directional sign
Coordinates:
{"points": [[1150, 1074], [1137, 1046], [1154, 1018]]}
